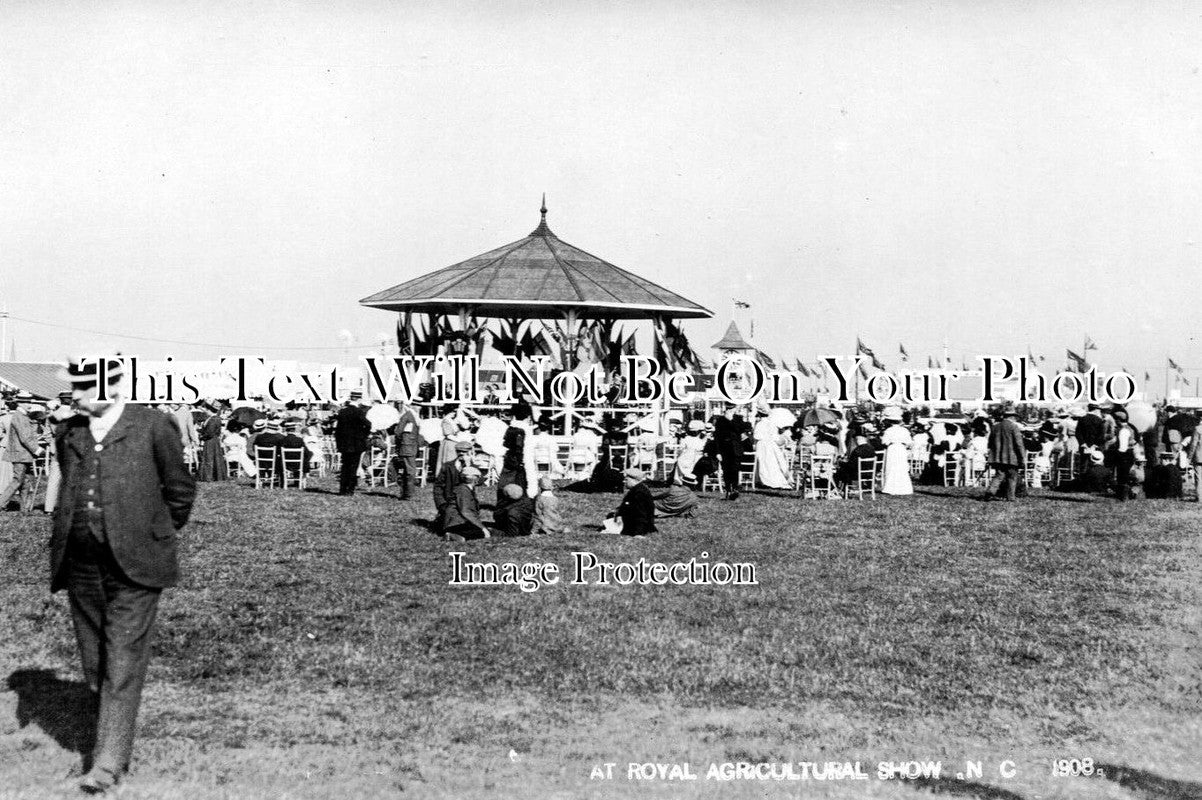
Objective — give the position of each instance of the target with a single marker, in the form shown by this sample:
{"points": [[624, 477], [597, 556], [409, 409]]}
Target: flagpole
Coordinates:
{"points": [[856, 398], [1166, 378]]}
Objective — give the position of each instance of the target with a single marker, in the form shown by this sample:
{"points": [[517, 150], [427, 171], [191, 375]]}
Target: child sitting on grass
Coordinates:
{"points": [[548, 519]]}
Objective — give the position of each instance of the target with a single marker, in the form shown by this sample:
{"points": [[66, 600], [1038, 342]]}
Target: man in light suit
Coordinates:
{"points": [[125, 493], [23, 452]]}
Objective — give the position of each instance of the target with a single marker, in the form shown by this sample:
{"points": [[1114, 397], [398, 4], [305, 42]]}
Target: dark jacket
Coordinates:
{"points": [[1091, 430], [465, 508], [146, 493], [1006, 445], [407, 441], [637, 511], [445, 483], [352, 429], [516, 518]]}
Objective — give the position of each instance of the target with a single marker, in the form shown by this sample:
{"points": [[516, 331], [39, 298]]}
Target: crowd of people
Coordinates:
{"points": [[822, 452]]}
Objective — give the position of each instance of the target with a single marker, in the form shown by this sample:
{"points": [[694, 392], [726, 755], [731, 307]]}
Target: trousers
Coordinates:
{"points": [[406, 473], [1005, 481], [23, 482], [114, 624], [348, 471]]}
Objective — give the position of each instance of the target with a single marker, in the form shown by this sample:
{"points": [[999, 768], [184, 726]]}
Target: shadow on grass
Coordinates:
{"points": [[1150, 786], [962, 788], [65, 710]]}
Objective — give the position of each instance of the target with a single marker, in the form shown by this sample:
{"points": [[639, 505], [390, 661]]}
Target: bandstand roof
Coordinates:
{"points": [[540, 276], [733, 340]]}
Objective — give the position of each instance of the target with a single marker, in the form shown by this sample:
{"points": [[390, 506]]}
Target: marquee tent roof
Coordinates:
{"points": [[733, 340], [38, 378], [541, 277]]}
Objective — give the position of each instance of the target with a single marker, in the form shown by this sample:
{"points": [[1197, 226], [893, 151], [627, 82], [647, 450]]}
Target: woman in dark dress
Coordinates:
{"points": [[211, 464]]}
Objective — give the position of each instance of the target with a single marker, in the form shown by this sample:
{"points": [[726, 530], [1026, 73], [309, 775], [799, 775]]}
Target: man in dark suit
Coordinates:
{"points": [[1007, 455], [637, 510], [1091, 429], [407, 442], [125, 493], [351, 431], [730, 440], [446, 481], [292, 440]]}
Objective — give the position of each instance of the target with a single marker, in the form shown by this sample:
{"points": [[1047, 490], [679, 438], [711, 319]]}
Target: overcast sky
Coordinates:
{"points": [[1003, 175]]}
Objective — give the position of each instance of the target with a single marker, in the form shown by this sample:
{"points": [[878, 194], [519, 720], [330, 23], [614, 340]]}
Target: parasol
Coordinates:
{"points": [[246, 416], [382, 417], [819, 416], [782, 418], [1141, 416]]}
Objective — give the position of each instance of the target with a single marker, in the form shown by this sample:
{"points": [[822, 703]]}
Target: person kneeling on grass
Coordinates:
{"points": [[516, 517], [461, 519], [548, 519], [636, 515]]}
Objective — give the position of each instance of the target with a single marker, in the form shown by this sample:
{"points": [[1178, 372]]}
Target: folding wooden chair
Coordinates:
{"points": [[265, 467], [292, 467], [865, 480]]}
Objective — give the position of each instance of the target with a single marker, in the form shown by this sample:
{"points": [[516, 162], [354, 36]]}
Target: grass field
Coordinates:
{"points": [[314, 649]]}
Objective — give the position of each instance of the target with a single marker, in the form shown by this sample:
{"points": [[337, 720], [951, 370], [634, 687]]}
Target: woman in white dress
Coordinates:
{"points": [[771, 466], [896, 478]]}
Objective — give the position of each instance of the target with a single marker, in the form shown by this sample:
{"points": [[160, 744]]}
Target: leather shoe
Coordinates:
{"points": [[98, 781]]}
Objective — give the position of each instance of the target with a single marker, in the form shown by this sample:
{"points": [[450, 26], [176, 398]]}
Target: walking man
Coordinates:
{"points": [[1007, 455], [125, 494]]}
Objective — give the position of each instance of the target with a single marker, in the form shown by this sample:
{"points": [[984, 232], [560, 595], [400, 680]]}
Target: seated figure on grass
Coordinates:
{"points": [[636, 514], [516, 517], [548, 518], [461, 519]]}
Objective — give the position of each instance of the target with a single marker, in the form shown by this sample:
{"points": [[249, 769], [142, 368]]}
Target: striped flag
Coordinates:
{"points": [[1077, 361]]}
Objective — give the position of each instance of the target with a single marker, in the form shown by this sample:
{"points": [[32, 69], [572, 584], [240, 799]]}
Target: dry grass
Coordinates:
{"points": [[315, 650]]}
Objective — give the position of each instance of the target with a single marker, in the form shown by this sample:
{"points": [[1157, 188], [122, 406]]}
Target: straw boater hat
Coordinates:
{"points": [[259, 425], [273, 425], [82, 375], [464, 447]]}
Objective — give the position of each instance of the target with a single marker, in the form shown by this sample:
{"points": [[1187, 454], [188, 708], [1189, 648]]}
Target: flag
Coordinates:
{"points": [[803, 369], [1077, 361], [1031, 356], [741, 304], [930, 363], [1089, 344], [862, 348], [1147, 377], [904, 355], [964, 365], [1185, 380], [1174, 365]]}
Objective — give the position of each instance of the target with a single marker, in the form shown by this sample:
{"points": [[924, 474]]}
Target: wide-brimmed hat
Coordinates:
{"points": [[1097, 457], [696, 426], [471, 472], [893, 414], [23, 397], [464, 447]]}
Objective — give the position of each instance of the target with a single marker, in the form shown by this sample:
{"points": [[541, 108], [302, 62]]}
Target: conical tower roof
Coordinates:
{"points": [[733, 340], [540, 276]]}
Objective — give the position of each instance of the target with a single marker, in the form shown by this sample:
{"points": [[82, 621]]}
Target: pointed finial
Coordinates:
{"points": [[542, 229]]}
